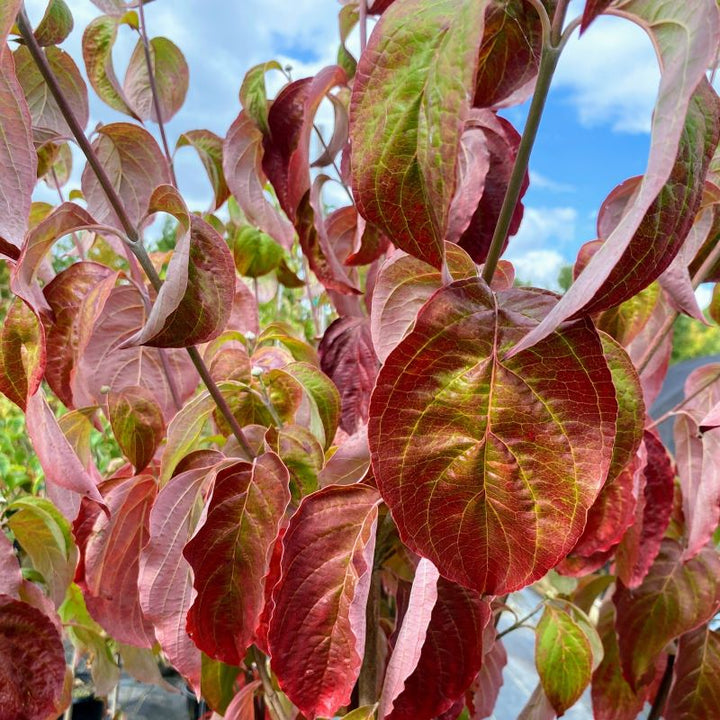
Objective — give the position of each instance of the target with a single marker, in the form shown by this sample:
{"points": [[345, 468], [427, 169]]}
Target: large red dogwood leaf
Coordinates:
{"points": [[451, 654], [230, 555], [32, 662], [112, 558], [676, 597], [684, 137], [490, 465], [411, 97], [695, 694], [317, 630]]}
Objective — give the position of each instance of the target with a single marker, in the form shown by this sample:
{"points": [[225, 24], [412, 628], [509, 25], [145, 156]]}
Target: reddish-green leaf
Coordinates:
{"points": [[17, 153], [135, 165], [10, 576], [112, 556], [209, 148], [230, 555], [451, 655], [486, 686], [489, 465], [253, 95], [301, 453], [411, 96], [170, 72], [349, 463], [695, 694], [32, 662], [137, 423], [317, 631], [97, 46], [675, 598], [22, 353], [56, 24]]}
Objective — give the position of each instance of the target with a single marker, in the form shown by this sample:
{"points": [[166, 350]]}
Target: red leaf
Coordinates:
{"points": [[32, 662], [135, 166], [593, 8], [10, 576], [411, 638], [486, 686], [411, 97], [489, 465], [17, 155], [347, 357], [287, 146], [241, 707], [451, 655], [271, 580], [695, 694], [349, 463], [230, 555], [317, 631], [675, 598], [112, 557], [242, 164]]}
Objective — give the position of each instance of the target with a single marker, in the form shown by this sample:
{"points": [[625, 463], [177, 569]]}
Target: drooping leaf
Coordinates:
{"points": [[137, 423], [451, 655], [135, 165], [32, 662], [407, 115], [253, 95], [301, 453], [348, 358], [230, 555], [349, 463], [593, 8], [10, 576], [17, 153], [97, 46], [486, 686], [112, 557], [676, 597], [317, 630], [209, 148], [695, 693], [44, 534], [489, 465], [255, 252], [241, 707], [170, 72], [341, 127], [56, 24], [22, 353], [412, 636]]}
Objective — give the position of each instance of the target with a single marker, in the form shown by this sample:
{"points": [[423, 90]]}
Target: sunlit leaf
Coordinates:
{"points": [[253, 95], [56, 24]]}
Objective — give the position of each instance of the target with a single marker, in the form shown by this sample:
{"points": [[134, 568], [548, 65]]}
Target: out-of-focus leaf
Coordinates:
{"points": [[10, 575], [56, 24], [218, 683], [317, 630], [209, 148], [253, 95], [230, 555], [593, 8], [676, 597], [255, 253], [489, 465], [486, 686]]}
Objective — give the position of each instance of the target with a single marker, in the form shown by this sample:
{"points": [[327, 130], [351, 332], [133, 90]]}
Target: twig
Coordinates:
{"points": [[685, 401], [522, 620], [661, 696], [271, 697]]}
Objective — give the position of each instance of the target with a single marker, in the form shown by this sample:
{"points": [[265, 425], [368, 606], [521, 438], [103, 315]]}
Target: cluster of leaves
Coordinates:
{"points": [[308, 531]]}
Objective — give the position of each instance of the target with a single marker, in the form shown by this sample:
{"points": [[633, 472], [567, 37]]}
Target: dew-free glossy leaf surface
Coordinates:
{"points": [[317, 630], [489, 465]]}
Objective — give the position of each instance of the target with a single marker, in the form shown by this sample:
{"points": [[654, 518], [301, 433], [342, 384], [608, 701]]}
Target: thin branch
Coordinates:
{"points": [[659, 702], [271, 697], [519, 623], [556, 31]]}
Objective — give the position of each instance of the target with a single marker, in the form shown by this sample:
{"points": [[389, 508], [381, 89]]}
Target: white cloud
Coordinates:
{"points": [[539, 267], [542, 182]]}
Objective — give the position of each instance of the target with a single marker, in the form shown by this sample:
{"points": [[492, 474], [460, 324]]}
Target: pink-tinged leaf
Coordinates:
{"points": [[47, 118], [341, 128], [287, 146], [241, 707], [56, 24], [22, 353], [317, 631], [170, 72], [451, 655], [349, 463], [59, 462], [486, 686], [686, 126], [106, 363], [347, 357], [612, 697], [411, 638], [17, 156], [137, 423], [230, 555], [10, 575], [32, 662], [97, 45], [593, 8], [372, 245], [112, 557], [114, 8], [676, 597], [242, 164], [209, 148], [695, 694], [402, 288], [411, 97], [641, 543], [271, 580], [579, 566], [165, 576], [502, 143], [135, 165], [195, 301], [253, 95], [489, 466], [538, 707]]}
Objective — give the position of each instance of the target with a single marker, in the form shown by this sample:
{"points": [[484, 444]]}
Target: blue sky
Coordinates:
{"points": [[594, 134]]}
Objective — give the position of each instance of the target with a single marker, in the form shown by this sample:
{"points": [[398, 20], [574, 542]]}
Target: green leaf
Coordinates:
{"points": [[218, 683], [255, 253], [301, 453], [209, 148], [253, 95], [56, 24]]}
